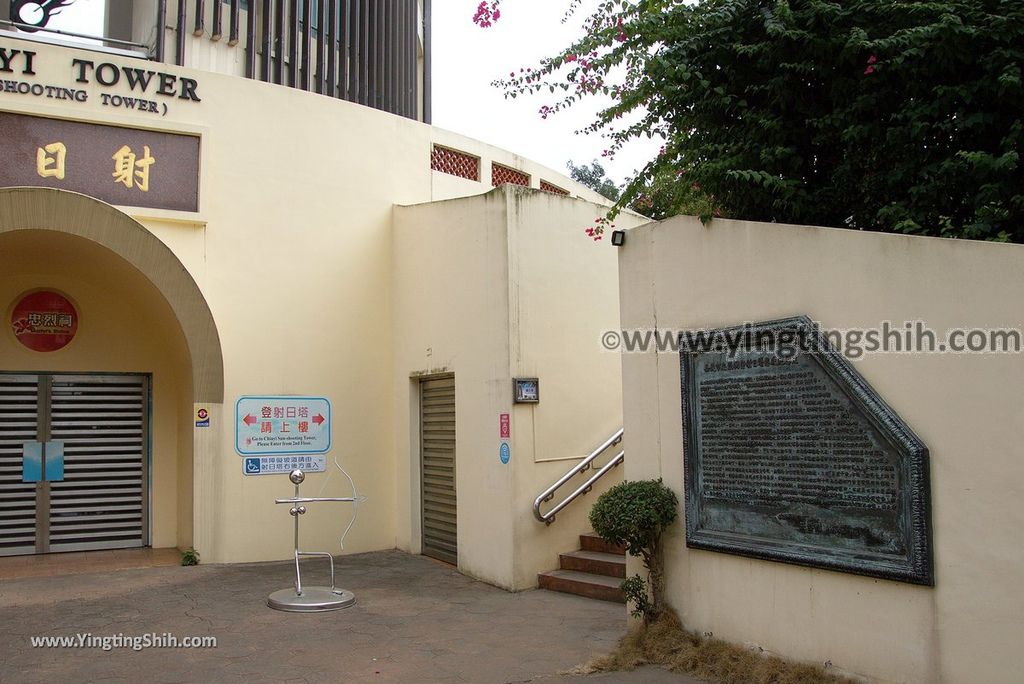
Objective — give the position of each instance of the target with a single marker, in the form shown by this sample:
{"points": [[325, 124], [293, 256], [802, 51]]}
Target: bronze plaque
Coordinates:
{"points": [[125, 166], [791, 456]]}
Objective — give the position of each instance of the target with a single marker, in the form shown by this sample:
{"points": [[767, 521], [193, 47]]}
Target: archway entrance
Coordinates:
{"points": [[111, 418]]}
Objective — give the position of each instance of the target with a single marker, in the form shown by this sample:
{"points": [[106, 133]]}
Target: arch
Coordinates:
{"points": [[84, 216]]}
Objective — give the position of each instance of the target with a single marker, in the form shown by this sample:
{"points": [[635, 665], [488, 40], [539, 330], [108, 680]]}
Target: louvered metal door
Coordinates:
{"points": [[437, 468], [19, 423], [101, 423], [102, 502]]}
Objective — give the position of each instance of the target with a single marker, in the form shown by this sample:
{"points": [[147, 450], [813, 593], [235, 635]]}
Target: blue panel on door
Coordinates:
{"points": [[55, 461], [32, 462]]}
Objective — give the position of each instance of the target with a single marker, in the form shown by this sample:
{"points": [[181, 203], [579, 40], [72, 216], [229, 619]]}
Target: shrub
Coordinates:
{"points": [[635, 515]]}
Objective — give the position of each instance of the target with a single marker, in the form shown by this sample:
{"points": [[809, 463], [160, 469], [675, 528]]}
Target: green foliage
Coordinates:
{"points": [[897, 116], [667, 194], [190, 557], [635, 591], [670, 193], [593, 177], [633, 514]]}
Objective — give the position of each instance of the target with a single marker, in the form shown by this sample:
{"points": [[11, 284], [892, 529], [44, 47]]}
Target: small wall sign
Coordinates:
{"points": [[504, 453], [202, 417], [504, 426], [527, 390], [44, 320], [282, 465]]}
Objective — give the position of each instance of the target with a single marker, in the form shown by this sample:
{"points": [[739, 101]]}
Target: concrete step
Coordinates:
{"points": [[592, 542], [582, 584], [594, 562]]}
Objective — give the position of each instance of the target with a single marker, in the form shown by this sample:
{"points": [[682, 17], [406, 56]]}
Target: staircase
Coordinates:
{"points": [[596, 570]]}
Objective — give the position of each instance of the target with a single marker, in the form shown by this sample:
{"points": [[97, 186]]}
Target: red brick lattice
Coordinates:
{"points": [[548, 187], [455, 163], [503, 174]]}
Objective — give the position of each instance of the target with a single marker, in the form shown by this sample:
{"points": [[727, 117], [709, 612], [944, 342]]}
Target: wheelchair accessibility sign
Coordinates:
{"points": [[282, 465]]}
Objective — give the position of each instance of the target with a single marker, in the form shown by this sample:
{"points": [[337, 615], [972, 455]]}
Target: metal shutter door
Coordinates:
{"points": [[102, 502], [19, 421], [437, 468]]}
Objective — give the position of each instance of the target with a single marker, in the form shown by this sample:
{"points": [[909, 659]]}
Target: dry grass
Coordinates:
{"points": [[666, 643]]}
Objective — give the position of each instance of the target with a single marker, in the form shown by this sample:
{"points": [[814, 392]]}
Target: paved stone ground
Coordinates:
{"points": [[415, 620]]}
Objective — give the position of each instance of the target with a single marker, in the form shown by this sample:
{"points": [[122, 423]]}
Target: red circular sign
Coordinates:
{"points": [[44, 321]]}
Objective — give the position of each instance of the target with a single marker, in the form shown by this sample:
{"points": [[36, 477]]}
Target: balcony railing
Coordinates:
{"points": [[372, 52]]}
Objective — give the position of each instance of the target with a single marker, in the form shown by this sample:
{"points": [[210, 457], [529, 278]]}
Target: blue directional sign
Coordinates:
{"points": [[277, 425]]}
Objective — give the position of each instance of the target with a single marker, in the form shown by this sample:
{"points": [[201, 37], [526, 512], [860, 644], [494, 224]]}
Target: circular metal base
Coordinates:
{"points": [[313, 600]]}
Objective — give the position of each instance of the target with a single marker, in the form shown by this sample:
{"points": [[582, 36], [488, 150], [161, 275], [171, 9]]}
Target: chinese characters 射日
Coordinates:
{"points": [[130, 169]]}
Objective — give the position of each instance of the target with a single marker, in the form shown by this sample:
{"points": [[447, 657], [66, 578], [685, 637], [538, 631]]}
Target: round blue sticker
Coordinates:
{"points": [[504, 453]]}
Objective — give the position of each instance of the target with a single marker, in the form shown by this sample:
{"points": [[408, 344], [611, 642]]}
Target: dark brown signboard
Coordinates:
{"points": [[124, 166]]}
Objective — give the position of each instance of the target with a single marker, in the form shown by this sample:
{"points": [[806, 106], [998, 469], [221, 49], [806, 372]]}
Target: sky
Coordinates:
{"points": [[82, 16], [466, 58]]}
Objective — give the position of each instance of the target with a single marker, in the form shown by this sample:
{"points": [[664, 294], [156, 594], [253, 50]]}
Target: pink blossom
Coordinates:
{"points": [[487, 13]]}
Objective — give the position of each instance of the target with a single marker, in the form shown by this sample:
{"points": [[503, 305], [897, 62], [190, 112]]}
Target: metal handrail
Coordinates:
{"points": [[60, 32], [581, 467]]}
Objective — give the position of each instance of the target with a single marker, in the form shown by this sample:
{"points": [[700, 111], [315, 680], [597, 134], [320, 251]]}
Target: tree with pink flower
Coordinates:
{"points": [[869, 114]]}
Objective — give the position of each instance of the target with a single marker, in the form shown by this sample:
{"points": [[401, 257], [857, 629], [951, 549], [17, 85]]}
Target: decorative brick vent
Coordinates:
{"points": [[503, 174], [548, 187], [455, 163]]}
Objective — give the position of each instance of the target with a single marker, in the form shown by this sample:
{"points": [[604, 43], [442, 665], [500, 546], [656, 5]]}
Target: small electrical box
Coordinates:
{"points": [[527, 390]]}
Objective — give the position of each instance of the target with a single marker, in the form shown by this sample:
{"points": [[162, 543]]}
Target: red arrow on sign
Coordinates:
{"points": [[318, 419], [249, 419]]}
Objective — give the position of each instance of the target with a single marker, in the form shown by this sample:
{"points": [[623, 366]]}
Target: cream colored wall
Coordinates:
{"points": [[446, 186], [563, 290], [494, 287], [298, 278], [292, 250], [133, 331], [185, 468], [966, 409], [294, 262], [451, 315]]}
